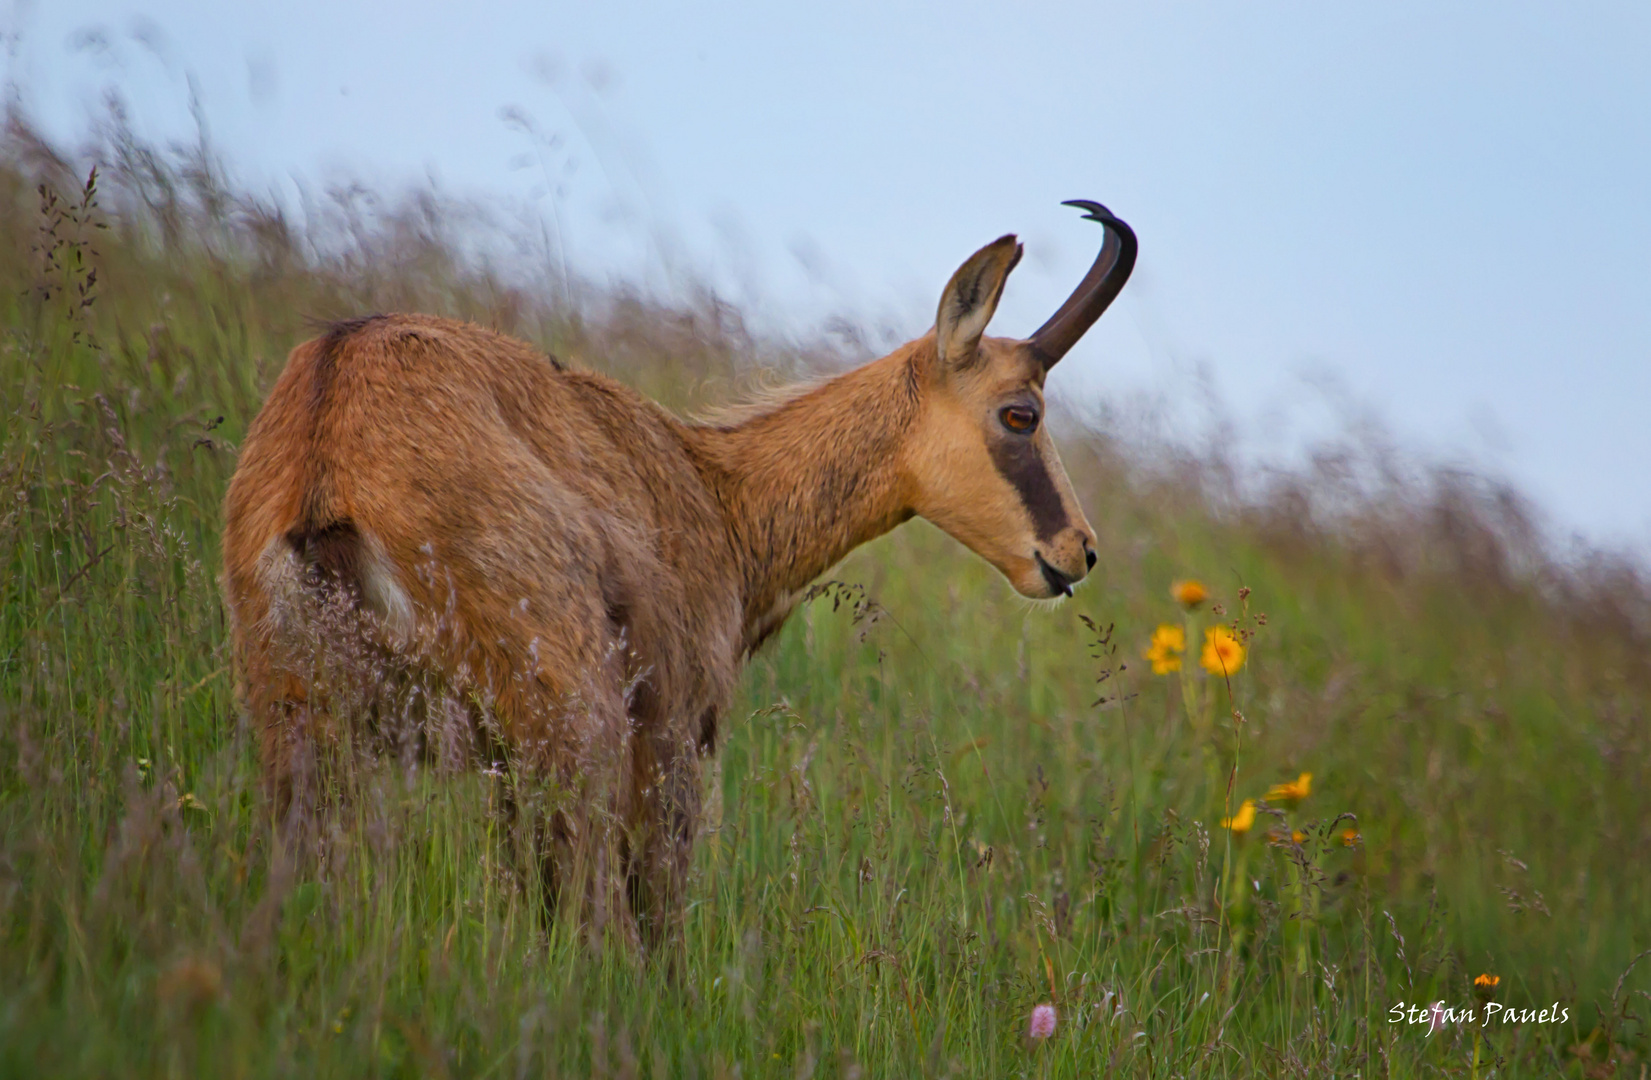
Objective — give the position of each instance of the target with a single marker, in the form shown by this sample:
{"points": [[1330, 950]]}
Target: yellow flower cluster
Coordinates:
{"points": [[1223, 652], [1189, 594], [1241, 822], [1168, 643], [1292, 791]]}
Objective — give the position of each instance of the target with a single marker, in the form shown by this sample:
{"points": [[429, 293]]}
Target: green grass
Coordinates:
{"points": [[924, 822]]}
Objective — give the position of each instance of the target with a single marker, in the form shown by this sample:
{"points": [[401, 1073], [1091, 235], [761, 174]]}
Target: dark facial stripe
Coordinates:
{"points": [[1019, 462]]}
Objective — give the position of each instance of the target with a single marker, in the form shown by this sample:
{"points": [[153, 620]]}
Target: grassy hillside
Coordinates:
{"points": [[942, 807]]}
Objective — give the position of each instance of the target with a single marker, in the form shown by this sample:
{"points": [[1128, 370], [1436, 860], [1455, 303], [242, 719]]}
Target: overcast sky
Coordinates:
{"points": [[1442, 208]]}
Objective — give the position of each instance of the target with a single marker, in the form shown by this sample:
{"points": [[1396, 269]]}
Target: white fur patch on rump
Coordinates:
{"points": [[281, 574], [384, 594]]}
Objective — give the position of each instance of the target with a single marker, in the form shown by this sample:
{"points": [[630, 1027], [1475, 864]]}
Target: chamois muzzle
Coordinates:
{"points": [[1094, 293], [1059, 584]]}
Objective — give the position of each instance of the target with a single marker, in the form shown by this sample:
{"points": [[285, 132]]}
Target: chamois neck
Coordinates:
{"points": [[807, 482]]}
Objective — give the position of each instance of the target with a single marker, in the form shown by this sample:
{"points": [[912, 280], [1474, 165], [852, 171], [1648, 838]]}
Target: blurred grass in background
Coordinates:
{"points": [[946, 807]]}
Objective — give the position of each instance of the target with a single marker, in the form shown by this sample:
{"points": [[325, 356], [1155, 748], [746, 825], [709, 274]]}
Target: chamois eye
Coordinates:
{"points": [[1019, 419]]}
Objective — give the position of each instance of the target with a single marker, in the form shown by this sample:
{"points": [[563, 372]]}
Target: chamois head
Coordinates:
{"points": [[982, 465]]}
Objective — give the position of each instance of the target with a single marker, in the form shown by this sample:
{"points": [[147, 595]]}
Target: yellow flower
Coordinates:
{"points": [[1223, 654], [1298, 836], [1168, 643], [1189, 594], [1240, 822], [1484, 987], [1350, 837], [1293, 791]]}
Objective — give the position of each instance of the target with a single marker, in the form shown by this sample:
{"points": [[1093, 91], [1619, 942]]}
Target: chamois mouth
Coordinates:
{"points": [[1059, 583]]}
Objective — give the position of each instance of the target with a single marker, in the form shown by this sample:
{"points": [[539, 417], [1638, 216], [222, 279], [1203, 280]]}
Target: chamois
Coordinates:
{"points": [[435, 529]]}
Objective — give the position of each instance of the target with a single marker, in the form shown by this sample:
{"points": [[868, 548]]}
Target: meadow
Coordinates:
{"points": [[938, 806]]}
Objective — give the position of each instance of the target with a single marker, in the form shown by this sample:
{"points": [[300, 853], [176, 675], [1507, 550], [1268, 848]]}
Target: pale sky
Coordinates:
{"points": [[1443, 208]]}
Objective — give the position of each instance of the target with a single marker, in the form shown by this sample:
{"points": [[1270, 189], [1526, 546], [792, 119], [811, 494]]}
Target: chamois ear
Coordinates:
{"points": [[970, 299]]}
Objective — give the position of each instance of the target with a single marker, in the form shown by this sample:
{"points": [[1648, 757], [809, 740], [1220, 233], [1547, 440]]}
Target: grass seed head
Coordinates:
{"points": [[1042, 1025]]}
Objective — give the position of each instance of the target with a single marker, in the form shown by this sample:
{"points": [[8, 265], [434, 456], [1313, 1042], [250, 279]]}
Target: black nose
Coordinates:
{"points": [[1089, 557], [1059, 583]]}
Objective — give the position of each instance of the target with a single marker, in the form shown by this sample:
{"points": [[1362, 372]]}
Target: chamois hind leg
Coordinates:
{"points": [[312, 674], [301, 742], [567, 747], [584, 842], [663, 820]]}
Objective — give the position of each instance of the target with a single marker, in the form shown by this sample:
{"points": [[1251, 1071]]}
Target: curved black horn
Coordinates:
{"points": [[1095, 292]]}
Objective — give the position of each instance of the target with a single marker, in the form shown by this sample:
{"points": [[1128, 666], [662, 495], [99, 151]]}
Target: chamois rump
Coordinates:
{"points": [[439, 538]]}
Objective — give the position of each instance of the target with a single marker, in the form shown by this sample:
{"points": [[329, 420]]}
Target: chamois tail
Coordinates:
{"points": [[325, 554]]}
